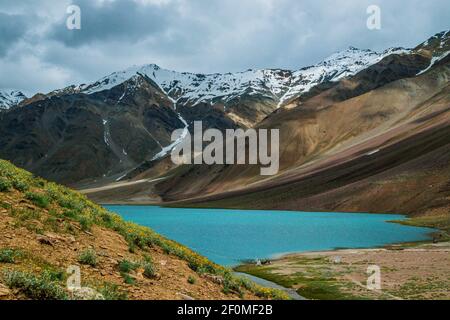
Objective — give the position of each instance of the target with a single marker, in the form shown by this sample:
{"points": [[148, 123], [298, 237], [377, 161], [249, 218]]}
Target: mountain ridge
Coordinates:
{"points": [[277, 84], [120, 126]]}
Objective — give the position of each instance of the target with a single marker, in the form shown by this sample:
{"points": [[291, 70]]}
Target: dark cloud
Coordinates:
{"points": [[12, 29], [126, 21], [196, 35]]}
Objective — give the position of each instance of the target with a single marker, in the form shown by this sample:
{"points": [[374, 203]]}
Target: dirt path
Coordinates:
{"points": [[119, 185]]}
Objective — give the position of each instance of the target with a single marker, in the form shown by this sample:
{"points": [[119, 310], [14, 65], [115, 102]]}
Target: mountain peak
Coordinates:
{"points": [[10, 98], [439, 43], [277, 85], [352, 48], [153, 66]]}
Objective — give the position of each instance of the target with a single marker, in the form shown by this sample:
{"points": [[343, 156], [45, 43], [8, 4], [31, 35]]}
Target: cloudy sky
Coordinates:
{"points": [[38, 53]]}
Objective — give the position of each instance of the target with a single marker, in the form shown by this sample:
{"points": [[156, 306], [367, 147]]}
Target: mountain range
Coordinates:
{"points": [[354, 128]]}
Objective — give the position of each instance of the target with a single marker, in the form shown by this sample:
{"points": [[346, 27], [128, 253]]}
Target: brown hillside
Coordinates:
{"points": [[45, 228]]}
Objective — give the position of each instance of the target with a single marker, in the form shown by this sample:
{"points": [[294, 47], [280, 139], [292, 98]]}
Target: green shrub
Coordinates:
{"points": [[132, 248], [70, 203], [34, 287], [39, 182], [127, 266], [106, 219], [149, 270], [111, 292], [246, 284], [52, 223], [25, 214], [192, 280], [38, 199], [8, 255], [127, 278], [231, 284], [20, 185], [5, 185], [88, 257], [55, 275], [85, 223], [5, 205]]}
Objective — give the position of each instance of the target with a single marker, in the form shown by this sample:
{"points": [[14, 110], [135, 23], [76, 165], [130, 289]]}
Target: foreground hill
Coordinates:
{"points": [[45, 228]]}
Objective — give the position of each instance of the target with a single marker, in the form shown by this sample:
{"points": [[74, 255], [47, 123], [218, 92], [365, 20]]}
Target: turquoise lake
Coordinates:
{"points": [[229, 237]]}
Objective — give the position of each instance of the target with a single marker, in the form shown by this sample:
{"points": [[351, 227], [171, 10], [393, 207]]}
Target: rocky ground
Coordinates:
{"points": [[418, 272], [46, 228]]}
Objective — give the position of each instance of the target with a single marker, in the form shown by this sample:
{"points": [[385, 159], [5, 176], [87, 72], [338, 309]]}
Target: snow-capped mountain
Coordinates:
{"points": [[276, 84], [10, 98], [438, 46], [121, 125]]}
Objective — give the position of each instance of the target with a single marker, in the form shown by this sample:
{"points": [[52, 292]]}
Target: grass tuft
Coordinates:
{"points": [[34, 287], [8, 255], [192, 280], [128, 266], [38, 199], [5, 185], [88, 257]]}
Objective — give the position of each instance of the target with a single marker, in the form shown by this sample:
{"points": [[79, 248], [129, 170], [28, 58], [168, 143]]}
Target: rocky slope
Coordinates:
{"points": [[118, 126], [390, 159], [375, 142], [70, 138], [330, 120], [45, 228]]}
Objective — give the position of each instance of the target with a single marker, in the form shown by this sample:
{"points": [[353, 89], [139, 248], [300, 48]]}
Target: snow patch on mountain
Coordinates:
{"points": [[334, 68], [10, 98], [166, 150], [435, 60], [274, 84]]}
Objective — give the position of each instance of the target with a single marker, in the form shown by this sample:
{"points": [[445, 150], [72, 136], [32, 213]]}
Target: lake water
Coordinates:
{"points": [[228, 237]]}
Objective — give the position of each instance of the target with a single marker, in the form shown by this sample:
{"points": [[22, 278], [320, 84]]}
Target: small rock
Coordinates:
{"points": [[213, 278], [55, 237], [4, 291], [337, 260], [45, 240], [85, 294], [185, 297]]}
